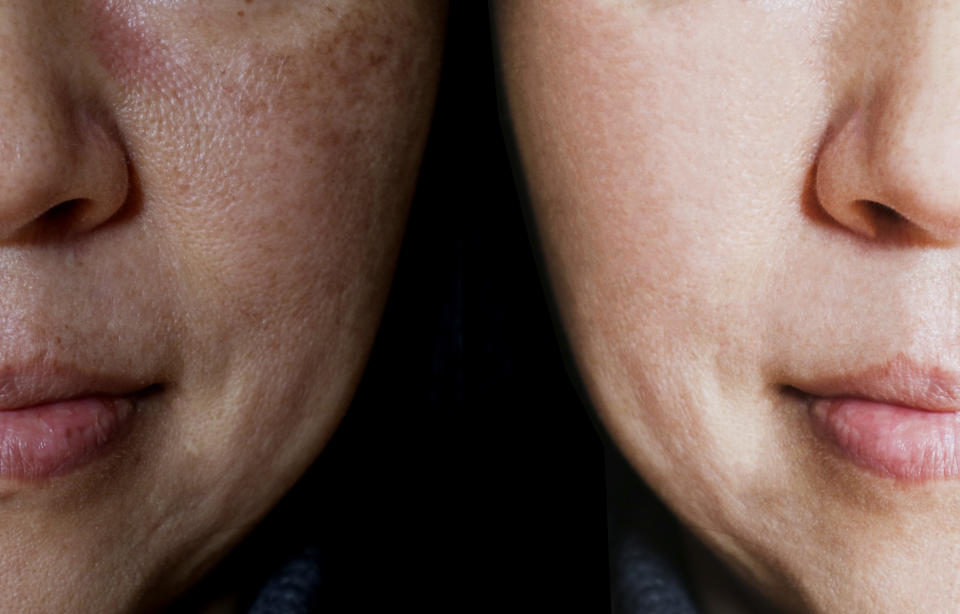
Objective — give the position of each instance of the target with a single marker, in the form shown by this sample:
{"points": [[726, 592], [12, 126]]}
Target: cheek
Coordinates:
{"points": [[275, 161], [675, 162], [667, 151], [131, 52], [260, 149]]}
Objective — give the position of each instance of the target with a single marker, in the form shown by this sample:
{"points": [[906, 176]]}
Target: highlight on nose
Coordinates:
{"points": [[888, 166], [882, 185]]}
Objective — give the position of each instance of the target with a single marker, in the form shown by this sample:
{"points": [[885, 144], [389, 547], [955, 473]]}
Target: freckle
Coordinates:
{"points": [[240, 13]]}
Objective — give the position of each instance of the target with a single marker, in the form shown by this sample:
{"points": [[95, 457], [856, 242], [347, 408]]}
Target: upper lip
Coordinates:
{"points": [[900, 381], [43, 382]]}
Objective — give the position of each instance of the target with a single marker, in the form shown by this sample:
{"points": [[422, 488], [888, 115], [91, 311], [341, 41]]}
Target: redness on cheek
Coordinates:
{"points": [[126, 47]]}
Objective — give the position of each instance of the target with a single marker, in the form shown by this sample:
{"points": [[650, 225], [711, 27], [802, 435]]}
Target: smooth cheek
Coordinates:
{"points": [[671, 153], [668, 152]]}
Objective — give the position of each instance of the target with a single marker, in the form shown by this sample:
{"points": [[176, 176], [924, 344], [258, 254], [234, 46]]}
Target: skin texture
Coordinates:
{"points": [[206, 198], [703, 177]]}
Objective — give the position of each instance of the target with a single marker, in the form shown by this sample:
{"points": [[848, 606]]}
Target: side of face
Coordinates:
{"points": [[705, 179], [236, 177]]}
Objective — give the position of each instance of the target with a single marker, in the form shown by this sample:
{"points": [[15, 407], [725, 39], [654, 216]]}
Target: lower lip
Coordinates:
{"points": [[889, 440], [52, 439]]}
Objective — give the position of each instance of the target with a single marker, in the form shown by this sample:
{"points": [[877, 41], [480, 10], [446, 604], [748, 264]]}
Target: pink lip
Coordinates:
{"points": [[55, 418], [48, 440], [897, 420]]}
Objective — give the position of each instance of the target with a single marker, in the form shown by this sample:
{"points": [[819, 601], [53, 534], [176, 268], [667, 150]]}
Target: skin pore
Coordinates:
{"points": [[746, 208], [203, 200]]}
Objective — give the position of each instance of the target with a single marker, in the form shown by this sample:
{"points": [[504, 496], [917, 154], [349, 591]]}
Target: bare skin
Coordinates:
{"points": [[204, 199], [739, 202]]}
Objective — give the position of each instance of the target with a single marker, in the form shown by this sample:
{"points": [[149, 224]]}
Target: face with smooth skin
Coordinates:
{"points": [[202, 201], [747, 209]]}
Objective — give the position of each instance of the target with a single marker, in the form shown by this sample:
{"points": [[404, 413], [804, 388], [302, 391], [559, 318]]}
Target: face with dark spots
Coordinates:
{"points": [[200, 207]]}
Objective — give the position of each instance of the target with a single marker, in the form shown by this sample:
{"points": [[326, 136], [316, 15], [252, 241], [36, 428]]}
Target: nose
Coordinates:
{"points": [[62, 169], [892, 161]]}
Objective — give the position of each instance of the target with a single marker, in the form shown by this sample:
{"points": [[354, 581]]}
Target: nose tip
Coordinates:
{"points": [[880, 173], [58, 174], [891, 161], [63, 167]]}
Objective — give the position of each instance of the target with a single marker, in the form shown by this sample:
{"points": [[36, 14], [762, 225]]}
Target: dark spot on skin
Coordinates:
{"points": [[361, 48], [240, 13], [248, 1]]}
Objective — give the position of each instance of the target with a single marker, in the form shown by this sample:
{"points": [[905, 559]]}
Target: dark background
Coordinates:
{"points": [[470, 464], [467, 474]]}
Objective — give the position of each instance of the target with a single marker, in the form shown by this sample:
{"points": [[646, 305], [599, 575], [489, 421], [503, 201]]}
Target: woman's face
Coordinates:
{"points": [[200, 206], [750, 212]]}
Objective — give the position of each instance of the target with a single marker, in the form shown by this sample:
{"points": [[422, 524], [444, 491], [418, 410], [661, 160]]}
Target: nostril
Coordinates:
{"points": [[882, 213], [65, 212], [60, 220], [880, 218], [67, 207]]}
